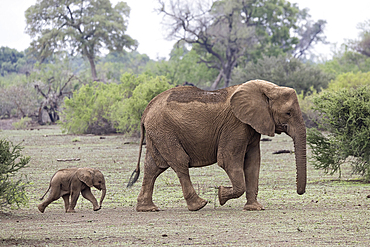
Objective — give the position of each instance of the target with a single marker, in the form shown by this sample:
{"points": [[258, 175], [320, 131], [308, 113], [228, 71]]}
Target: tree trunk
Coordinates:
{"points": [[93, 69], [217, 81]]}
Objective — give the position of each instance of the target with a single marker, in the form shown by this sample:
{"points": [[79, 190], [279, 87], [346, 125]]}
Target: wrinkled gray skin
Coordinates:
{"points": [[69, 183], [188, 127]]}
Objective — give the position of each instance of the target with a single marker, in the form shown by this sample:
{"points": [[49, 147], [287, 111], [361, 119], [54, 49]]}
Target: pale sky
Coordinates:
{"points": [[145, 25]]}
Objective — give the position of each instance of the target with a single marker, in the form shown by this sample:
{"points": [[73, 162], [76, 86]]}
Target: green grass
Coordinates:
{"points": [[331, 212]]}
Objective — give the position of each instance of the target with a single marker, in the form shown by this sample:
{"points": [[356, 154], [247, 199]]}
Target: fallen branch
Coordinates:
{"points": [[70, 159], [283, 152]]}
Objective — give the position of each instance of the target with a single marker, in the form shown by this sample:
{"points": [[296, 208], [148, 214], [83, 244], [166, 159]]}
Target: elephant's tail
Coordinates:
{"points": [[135, 175], [45, 193], [49, 186]]}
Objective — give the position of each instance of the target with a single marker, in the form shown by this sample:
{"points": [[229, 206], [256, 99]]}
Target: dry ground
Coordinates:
{"points": [[332, 212]]}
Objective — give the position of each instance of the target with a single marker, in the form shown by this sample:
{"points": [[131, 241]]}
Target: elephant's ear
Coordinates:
{"points": [[250, 104], [85, 176]]}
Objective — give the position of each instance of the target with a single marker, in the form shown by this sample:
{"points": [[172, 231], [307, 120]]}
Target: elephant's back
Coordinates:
{"points": [[188, 94]]}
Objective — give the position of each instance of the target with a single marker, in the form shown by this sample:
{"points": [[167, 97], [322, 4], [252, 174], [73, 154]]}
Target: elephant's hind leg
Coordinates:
{"points": [[66, 202], [145, 198], [193, 201], [53, 196]]}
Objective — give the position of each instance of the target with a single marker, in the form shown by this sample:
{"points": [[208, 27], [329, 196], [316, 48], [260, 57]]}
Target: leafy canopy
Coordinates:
{"points": [[11, 60], [183, 66], [230, 32], [285, 71], [82, 26]]}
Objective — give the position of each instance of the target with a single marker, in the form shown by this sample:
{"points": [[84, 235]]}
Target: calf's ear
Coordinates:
{"points": [[85, 176]]}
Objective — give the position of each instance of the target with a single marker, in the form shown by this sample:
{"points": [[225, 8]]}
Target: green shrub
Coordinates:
{"points": [[127, 114], [23, 123], [349, 80], [103, 108], [346, 122], [89, 110], [12, 191]]}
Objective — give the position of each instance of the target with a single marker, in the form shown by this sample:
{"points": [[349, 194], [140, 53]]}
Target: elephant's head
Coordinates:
{"points": [[93, 177], [271, 109]]}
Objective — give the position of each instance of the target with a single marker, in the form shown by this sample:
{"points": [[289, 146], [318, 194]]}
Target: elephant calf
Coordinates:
{"points": [[69, 183]]}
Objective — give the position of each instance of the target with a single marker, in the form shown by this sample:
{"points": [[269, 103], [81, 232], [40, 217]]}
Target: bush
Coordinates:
{"points": [[346, 120], [349, 80], [12, 191], [23, 123], [127, 113], [346, 61], [105, 108], [88, 112]]}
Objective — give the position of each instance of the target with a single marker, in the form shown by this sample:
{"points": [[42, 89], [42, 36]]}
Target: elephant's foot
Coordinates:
{"points": [[96, 208], [223, 194], [196, 204], [146, 207], [255, 206], [71, 211], [41, 208]]}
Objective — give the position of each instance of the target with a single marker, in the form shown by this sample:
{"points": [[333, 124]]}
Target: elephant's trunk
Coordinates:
{"points": [[103, 192], [299, 139]]}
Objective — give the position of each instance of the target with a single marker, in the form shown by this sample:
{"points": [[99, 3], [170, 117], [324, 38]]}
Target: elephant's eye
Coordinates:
{"points": [[289, 114], [99, 182]]}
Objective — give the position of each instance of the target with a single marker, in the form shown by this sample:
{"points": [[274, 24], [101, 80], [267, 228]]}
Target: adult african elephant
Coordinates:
{"points": [[189, 127], [70, 182]]}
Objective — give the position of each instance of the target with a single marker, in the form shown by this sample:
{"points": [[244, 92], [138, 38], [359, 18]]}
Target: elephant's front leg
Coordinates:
{"points": [[251, 172], [193, 201], [145, 198], [86, 193]]}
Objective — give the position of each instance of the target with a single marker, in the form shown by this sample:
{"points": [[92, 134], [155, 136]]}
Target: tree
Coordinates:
{"points": [[346, 60], [363, 45], [230, 32], [284, 70], [183, 66], [114, 64], [12, 191], [82, 26], [309, 33], [53, 81], [17, 96], [10, 60]]}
